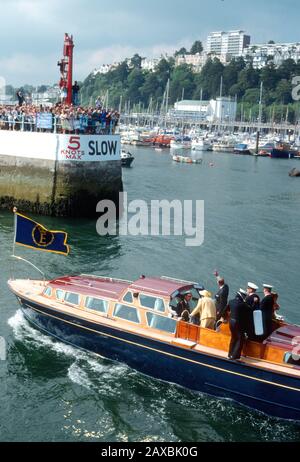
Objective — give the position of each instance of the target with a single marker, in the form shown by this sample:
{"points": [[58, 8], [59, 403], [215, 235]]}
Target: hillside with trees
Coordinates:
{"points": [[129, 86]]}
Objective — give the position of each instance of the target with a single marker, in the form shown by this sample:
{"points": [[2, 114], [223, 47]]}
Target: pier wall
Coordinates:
{"points": [[60, 175]]}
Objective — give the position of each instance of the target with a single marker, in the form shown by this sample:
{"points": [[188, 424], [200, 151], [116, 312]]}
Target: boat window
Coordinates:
{"points": [[126, 312], [72, 298], [291, 358], [161, 322], [128, 297], [60, 294], [96, 304], [48, 291], [154, 303]]}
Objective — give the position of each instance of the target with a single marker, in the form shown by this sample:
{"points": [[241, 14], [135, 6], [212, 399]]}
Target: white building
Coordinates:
{"points": [[191, 108], [262, 54], [149, 64], [230, 43], [197, 61], [103, 69], [222, 109], [215, 110]]}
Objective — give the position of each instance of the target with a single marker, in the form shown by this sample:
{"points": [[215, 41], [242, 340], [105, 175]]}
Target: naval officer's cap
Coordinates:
{"points": [[242, 294], [252, 286], [267, 286]]}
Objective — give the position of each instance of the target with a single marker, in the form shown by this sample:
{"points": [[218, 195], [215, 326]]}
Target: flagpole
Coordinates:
{"points": [[15, 228], [11, 265]]}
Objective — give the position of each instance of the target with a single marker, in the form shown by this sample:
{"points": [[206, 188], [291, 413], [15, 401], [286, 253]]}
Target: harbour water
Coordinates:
{"points": [[53, 392]]}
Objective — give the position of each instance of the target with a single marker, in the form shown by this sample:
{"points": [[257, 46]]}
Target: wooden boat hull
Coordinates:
{"points": [[274, 394]]}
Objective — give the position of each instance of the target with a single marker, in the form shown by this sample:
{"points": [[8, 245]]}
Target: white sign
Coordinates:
{"points": [[89, 148], [54, 146]]}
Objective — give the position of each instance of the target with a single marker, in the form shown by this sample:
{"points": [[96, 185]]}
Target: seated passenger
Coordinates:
{"points": [[206, 309], [182, 309]]}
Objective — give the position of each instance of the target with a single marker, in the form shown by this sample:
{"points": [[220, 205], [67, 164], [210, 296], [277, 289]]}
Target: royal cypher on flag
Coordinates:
{"points": [[29, 233]]}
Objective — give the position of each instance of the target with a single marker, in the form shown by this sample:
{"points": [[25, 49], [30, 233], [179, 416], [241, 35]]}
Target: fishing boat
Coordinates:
{"points": [[199, 144], [161, 141], [126, 158], [129, 321], [187, 160], [277, 150], [223, 146], [242, 148], [181, 142]]}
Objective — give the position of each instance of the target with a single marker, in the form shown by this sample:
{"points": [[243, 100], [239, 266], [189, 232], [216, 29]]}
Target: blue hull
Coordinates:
{"points": [[277, 395], [281, 154]]}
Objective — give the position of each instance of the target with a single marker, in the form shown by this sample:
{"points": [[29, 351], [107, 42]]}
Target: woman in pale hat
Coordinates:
{"points": [[206, 309]]}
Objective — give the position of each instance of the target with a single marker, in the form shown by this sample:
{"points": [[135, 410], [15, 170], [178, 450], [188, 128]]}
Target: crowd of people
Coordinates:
{"points": [[249, 317], [59, 118]]}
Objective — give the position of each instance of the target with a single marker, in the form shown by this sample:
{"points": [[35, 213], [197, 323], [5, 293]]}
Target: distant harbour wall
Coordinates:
{"points": [[59, 175]]}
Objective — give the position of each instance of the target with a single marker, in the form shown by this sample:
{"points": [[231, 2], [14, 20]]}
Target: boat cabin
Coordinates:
{"points": [[142, 306]]}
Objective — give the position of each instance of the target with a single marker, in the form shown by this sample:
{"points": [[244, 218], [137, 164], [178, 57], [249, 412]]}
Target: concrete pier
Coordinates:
{"points": [[59, 175]]}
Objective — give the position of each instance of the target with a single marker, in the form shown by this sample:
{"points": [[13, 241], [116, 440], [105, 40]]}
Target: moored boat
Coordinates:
{"points": [[201, 145], [277, 150], [187, 160], [223, 146], [242, 148], [183, 142], [129, 322], [126, 158]]}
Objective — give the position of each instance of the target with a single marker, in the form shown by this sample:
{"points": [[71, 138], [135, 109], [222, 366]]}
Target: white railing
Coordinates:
{"points": [[21, 123]]}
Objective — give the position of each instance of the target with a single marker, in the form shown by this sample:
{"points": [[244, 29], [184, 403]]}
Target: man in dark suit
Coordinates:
{"points": [[182, 309], [252, 301], [267, 308], [237, 324], [252, 298], [221, 298]]}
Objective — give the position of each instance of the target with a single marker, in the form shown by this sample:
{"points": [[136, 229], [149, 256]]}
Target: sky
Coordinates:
{"points": [[32, 31]]}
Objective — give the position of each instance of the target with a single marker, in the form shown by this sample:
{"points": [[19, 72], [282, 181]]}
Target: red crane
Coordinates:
{"points": [[66, 69]]}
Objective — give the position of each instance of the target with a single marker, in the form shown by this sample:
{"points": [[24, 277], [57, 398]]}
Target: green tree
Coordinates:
{"points": [[164, 70], [210, 78], [283, 92], [182, 51], [232, 71], [120, 73], [252, 95], [197, 47], [149, 88], [287, 69], [182, 77], [135, 82], [248, 78], [269, 76], [136, 61]]}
